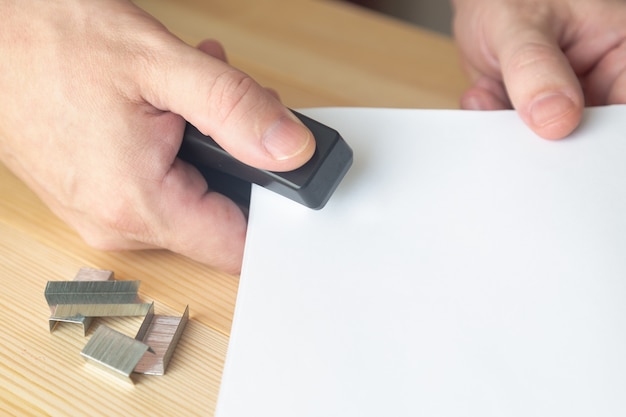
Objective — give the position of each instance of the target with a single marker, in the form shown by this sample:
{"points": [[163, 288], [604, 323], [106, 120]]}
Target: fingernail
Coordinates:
{"points": [[471, 102], [287, 138], [550, 108]]}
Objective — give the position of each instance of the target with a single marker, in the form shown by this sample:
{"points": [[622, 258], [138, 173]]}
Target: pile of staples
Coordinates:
{"points": [[95, 293]]}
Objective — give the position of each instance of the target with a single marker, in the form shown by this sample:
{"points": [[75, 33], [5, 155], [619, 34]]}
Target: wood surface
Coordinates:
{"points": [[314, 53]]}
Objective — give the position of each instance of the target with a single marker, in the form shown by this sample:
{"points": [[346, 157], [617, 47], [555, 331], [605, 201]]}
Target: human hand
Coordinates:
{"points": [[545, 58], [93, 106]]}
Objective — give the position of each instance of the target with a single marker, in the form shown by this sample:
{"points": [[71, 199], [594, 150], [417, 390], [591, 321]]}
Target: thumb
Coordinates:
{"points": [[540, 81], [245, 119]]}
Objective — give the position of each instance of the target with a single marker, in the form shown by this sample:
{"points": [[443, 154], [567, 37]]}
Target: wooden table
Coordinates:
{"points": [[314, 53]]}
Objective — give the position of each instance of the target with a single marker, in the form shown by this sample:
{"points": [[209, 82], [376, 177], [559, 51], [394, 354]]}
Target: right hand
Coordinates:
{"points": [[95, 95]]}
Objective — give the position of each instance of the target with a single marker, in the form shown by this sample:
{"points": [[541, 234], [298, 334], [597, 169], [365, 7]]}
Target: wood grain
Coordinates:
{"points": [[314, 53]]}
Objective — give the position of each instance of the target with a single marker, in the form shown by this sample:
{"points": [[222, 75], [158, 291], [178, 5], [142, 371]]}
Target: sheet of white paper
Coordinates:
{"points": [[465, 267]]}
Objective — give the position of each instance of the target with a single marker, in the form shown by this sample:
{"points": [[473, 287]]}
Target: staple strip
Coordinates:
{"points": [[91, 292], [83, 274], [92, 274], [64, 311], [114, 351], [162, 334]]}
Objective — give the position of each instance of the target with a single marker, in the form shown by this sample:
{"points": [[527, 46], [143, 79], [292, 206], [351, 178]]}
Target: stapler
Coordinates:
{"points": [[311, 185]]}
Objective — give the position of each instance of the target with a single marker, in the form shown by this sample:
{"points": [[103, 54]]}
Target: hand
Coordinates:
{"points": [[545, 58], [94, 100]]}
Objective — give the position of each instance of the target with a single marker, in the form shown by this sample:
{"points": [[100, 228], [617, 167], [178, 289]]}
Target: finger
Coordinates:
{"points": [[190, 220], [273, 92], [216, 50], [485, 94], [540, 82], [213, 48], [606, 83], [231, 107], [617, 95], [163, 202]]}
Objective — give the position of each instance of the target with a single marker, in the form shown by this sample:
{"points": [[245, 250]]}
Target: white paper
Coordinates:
{"points": [[464, 267]]}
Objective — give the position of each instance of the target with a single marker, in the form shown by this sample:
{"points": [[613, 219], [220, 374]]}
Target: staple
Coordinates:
{"points": [[115, 352], [84, 274], [93, 274], [64, 311], [162, 334], [91, 292], [95, 293]]}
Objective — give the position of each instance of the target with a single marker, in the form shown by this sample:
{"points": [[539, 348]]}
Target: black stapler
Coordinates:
{"points": [[311, 185]]}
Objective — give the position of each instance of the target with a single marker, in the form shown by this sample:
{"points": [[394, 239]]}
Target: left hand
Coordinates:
{"points": [[545, 58]]}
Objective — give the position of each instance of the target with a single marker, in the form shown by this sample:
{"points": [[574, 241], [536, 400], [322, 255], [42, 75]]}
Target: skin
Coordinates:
{"points": [[95, 94], [94, 99], [545, 58]]}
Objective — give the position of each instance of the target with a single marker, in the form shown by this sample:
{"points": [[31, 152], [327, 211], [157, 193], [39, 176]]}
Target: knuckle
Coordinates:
{"points": [[116, 225], [228, 93], [123, 219], [617, 91], [528, 56], [99, 242]]}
